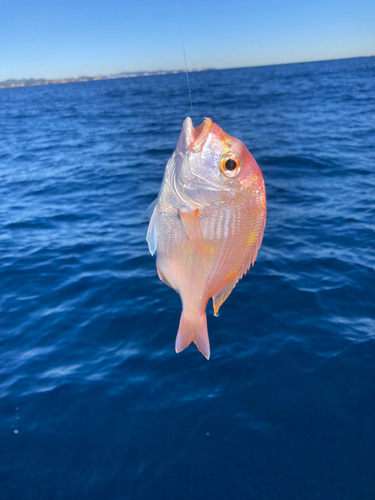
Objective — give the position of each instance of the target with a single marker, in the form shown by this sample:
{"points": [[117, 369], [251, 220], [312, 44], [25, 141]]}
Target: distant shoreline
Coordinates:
{"points": [[31, 82], [44, 81]]}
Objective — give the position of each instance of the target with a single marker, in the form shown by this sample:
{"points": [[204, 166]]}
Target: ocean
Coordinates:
{"points": [[94, 402]]}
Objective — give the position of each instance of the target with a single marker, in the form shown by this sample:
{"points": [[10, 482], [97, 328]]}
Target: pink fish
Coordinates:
{"points": [[207, 225]]}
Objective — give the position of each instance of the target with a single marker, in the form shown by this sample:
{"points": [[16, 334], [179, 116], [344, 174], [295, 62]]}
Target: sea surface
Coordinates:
{"points": [[94, 402]]}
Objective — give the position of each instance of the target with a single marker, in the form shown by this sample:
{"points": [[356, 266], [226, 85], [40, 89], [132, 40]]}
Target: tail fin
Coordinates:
{"points": [[193, 330]]}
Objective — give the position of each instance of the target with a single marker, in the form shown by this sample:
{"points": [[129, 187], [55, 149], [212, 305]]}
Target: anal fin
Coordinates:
{"points": [[162, 277]]}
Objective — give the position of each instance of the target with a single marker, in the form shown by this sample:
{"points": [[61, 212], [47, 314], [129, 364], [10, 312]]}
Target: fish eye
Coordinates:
{"points": [[230, 165]]}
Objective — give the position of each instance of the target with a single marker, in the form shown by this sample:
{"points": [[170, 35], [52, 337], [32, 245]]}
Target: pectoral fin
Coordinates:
{"points": [[190, 221]]}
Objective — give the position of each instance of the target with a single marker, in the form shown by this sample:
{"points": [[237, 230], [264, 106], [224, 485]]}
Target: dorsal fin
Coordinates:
{"points": [[221, 297], [255, 239]]}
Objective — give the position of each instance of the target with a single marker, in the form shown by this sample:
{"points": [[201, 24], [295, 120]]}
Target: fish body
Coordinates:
{"points": [[207, 225]]}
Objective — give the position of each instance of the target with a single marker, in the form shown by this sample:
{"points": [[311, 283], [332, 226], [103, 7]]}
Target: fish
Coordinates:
{"points": [[207, 224]]}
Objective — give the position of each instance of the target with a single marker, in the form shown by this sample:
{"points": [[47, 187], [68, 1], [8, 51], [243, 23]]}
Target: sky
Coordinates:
{"points": [[71, 38]]}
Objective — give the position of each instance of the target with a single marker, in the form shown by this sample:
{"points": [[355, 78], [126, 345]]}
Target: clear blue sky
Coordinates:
{"points": [[69, 38]]}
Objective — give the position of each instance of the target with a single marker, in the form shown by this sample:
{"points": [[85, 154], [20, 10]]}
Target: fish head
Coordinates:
{"points": [[211, 166]]}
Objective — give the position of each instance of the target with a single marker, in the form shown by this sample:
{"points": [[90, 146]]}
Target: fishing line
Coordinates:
{"points": [[187, 78]]}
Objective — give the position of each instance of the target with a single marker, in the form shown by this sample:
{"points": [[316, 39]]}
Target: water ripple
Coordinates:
{"points": [[90, 385]]}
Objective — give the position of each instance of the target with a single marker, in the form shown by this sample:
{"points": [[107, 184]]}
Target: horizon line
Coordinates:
{"points": [[26, 82]]}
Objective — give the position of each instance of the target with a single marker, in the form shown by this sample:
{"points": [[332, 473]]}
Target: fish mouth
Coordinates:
{"points": [[199, 135]]}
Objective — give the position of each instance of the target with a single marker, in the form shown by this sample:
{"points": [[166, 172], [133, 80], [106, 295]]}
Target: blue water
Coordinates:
{"points": [[94, 402]]}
